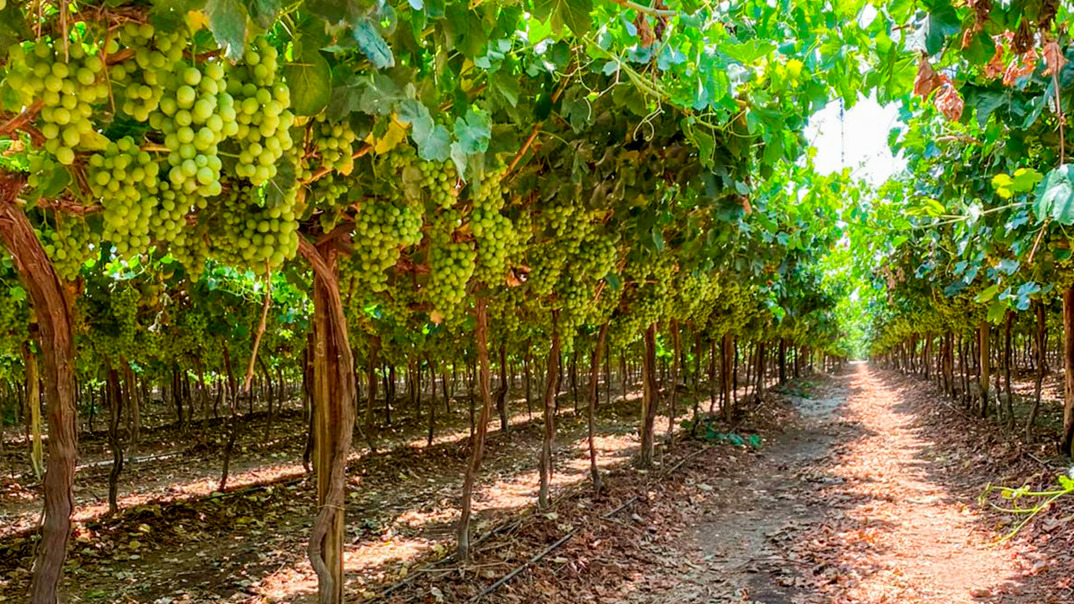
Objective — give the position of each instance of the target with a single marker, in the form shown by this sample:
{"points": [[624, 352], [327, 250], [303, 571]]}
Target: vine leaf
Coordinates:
{"points": [[432, 139], [372, 44], [263, 12], [310, 79], [575, 14], [1055, 196], [227, 21], [473, 132]]}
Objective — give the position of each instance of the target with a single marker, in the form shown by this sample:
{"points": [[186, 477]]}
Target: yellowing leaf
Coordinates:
{"points": [[197, 20], [396, 134]]}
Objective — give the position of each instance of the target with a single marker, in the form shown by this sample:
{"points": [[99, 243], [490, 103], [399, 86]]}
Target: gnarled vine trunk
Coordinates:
{"points": [[594, 377], [1068, 371], [477, 452], [551, 389], [55, 334], [334, 397], [650, 399]]}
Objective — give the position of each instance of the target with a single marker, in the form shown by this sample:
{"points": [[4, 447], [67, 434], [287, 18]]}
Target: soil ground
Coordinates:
{"points": [[858, 487]]}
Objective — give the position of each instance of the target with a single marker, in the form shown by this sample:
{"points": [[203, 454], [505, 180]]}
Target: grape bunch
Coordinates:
{"points": [[451, 264], [440, 180], [381, 230], [334, 143], [137, 84], [191, 248], [596, 255], [68, 88], [260, 100], [196, 113], [69, 245], [125, 179], [253, 233], [496, 242], [559, 218], [546, 265]]}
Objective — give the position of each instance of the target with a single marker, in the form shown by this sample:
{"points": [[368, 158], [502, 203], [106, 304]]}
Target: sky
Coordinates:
{"points": [[863, 137]]}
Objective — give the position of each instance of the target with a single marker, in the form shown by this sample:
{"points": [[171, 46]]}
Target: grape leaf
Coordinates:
{"points": [[310, 79], [473, 132], [432, 139], [367, 35], [227, 21], [1055, 196], [263, 12]]}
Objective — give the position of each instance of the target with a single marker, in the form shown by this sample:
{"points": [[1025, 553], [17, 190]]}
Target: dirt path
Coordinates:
{"points": [[848, 505]]}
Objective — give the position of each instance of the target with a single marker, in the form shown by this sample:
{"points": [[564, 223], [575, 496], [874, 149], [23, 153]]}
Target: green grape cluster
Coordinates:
{"points": [[260, 100], [69, 245], [559, 218], [695, 295], [546, 265], [496, 240], [334, 143], [327, 191], [451, 264], [191, 249], [488, 195], [196, 113], [125, 179], [137, 84], [254, 233], [381, 231], [596, 256], [68, 86], [440, 181]]}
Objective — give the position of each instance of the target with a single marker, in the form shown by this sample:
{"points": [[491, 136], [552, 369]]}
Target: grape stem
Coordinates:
{"points": [[537, 127], [22, 122], [361, 152], [260, 331]]}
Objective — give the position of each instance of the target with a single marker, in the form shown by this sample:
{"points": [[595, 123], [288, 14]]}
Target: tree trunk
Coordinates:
{"points": [[432, 405], [1068, 371], [1007, 368], [33, 404], [1039, 343], [335, 396], [529, 391], [594, 396], [551, 388], [115, 413], [650, 398], [983, 350], [712, 377], [55, 336], [674, 388], [782, 361], [726, 376], [371, 380], [478, 449], [501, 391]]}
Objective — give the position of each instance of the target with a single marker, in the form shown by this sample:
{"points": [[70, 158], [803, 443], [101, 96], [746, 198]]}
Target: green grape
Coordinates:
{"points": [[125, 180], [69, 245], [381, 230], [68, 87], [137, 85], [261, 100], [191, 249], [334, 143], [253, 233], [195, 114], [451, 264]]}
